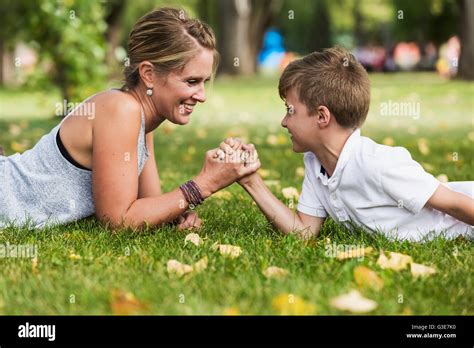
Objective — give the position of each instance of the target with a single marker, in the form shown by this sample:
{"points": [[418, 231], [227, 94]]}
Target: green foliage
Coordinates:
{"points": [[426, 20], [68, 34]]}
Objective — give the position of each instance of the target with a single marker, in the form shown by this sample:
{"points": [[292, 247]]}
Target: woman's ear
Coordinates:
{"points": [[147, 73], [323, 116]]}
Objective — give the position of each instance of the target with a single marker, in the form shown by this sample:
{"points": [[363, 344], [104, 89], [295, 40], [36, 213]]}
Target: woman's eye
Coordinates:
{"points": [[192, 82]]}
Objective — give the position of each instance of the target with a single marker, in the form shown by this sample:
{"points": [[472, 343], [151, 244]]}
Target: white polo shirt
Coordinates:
{"points": [[380, 188]]}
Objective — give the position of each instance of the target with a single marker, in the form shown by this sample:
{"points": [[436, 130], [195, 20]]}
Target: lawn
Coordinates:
{"points": [[82, 268]]}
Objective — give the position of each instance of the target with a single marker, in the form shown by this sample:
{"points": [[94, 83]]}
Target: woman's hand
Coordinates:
{"points": [[222, 168], [246, 150], [189, 220]]}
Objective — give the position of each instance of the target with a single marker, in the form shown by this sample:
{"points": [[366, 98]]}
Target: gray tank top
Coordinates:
{"points": [[41, 188]]}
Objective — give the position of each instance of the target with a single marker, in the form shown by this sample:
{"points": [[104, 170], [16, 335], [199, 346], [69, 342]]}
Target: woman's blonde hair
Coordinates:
{"points": [[168, 39]]}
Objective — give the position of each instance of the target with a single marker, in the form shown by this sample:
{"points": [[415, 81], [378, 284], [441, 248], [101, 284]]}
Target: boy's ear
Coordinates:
{"points": [[323, 116]]}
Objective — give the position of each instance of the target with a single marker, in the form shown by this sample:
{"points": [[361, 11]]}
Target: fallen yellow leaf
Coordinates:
{"points": [[125, 303], [388, 141], [231, 311], [275, 272], [423, 146], [353, 302], [73, 256], [288, 304], [272, 139], [193, 238], [229, 250], [365, 277], [178, 268], [353, 253], [34, 265], [290, 193], [300, 171], [418, 270], [201, 265], [442, 178], [396, 262]]}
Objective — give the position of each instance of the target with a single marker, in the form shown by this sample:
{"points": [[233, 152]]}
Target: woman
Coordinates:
{"points": [[104, 163]]}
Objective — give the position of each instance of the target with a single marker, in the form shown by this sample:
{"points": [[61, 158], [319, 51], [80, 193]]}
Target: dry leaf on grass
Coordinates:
{"points": [[289, 304], [353, 302], [201, 265], [73, 256], [290, 193], [178, 268], [193, 238], [418, 270], [231, 251], [353, 253], [275, 272], [231, 311], [366, 278], [34, 265], [396, 261], [125, 303]]}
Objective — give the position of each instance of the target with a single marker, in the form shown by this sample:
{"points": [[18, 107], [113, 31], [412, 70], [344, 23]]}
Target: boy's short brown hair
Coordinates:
{"points": [[333, 78]]}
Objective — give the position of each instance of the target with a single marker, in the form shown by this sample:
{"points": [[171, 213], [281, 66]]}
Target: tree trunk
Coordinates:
{"points": [[466, 61], [234, 40], [113, 31], [2, 49], [263, 16], [322, 26]]}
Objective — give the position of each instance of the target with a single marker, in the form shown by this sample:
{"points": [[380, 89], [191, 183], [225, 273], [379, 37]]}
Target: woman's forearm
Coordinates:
{"points": [[161, 209]]}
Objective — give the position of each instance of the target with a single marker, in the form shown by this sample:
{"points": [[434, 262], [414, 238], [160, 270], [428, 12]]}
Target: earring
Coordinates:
{"points": [[149, 91]]}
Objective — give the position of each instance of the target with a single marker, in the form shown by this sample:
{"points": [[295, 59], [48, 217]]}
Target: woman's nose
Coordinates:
{"points": [[200, 95]]}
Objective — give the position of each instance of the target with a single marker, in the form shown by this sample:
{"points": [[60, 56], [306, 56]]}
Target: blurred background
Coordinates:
{"points": [[419, 54], [77, 46]]}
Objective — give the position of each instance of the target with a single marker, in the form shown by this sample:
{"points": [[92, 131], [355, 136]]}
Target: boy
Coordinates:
{"points": [[347, 176]]}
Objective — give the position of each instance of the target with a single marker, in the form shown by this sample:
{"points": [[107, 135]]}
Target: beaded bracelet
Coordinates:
{"points": [[192, 193]]}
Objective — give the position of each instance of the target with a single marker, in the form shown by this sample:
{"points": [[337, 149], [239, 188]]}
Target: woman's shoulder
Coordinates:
{"points": [[118, 101], [117, 107]]}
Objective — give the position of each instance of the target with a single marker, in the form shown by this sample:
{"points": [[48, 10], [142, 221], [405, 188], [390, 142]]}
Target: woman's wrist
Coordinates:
{"points": [[204, 186]]}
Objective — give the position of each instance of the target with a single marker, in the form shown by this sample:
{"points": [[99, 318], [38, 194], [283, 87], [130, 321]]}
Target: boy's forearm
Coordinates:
{"points": [[464, 210], [282, 217]]}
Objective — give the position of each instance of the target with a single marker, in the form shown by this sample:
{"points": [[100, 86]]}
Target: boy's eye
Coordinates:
{"points": [[192, 82], [290, 110]]}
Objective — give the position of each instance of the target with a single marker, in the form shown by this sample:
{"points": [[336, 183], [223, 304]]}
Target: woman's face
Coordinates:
{"points": [[176, 94]]}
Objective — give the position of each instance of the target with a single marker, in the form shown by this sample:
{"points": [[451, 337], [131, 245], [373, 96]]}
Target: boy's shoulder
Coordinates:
{"points": [[379, 154]]}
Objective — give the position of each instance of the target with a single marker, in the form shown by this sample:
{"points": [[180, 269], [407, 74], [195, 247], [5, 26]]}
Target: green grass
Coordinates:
{"points": [[251, 109]]}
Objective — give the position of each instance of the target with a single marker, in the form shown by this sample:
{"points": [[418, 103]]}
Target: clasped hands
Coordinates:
{"points": [[233, 161]]}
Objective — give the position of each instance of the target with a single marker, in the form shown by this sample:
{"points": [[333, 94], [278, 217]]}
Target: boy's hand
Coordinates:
{"points": [[245, 153]]}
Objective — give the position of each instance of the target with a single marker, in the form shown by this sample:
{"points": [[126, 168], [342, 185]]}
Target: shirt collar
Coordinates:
{"points": [[349, 146]]}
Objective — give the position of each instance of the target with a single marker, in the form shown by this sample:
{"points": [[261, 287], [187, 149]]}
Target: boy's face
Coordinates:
{"points": [[301, 126]]}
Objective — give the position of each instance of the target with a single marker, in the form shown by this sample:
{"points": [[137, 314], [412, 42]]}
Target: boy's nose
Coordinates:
{"points": [[283, 122]]}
